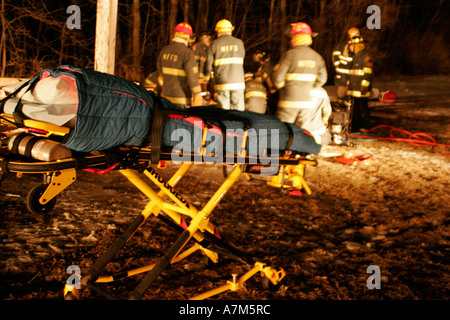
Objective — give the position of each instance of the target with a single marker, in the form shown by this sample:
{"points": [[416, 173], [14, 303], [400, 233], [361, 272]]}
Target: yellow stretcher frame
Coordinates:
{"points": [[197, 227], [199, 224], [58, 175]]}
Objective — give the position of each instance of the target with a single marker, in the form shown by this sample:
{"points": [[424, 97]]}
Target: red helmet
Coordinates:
{"points": [[184, 27], [389, 97], [300, 28]]}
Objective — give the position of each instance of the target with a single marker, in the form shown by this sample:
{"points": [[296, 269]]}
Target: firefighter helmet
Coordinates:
{"points": [[184, 27], [260, 54], [224, 26], [357, 44], [301, 28], [356, 39], [353, 32]]}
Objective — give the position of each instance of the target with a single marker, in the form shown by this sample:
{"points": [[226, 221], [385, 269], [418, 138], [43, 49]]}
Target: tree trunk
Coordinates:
{"points": [[105, 36], [3, 40], [163, 23], [136, 33], [202, 15], [173, 14], [186, 8], [228, 10], [270, 31], [283, 23]]}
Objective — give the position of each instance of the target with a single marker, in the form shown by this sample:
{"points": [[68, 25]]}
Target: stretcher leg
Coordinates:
{"points": [[151, 207], [59, 181], [292, 177], [235, 284], [199, 229], [199, 222], [136, 271]]}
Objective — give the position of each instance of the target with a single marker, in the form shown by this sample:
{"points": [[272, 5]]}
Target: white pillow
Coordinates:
{"points": [[55, 91]]}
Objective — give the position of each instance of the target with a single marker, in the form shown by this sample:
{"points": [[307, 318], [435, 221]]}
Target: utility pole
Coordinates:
{"points": [[105, 36]]}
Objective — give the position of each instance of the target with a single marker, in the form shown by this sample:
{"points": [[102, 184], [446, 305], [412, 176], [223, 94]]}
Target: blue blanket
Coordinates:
{"points": [[115, 112]]}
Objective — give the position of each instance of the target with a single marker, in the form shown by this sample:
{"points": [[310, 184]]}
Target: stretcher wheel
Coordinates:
{"points": [[33, 203], [268, 285]]}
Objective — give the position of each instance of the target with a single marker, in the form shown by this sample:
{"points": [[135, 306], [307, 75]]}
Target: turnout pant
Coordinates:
{"points": [[360, 114], [297, 112], [231, 99]]}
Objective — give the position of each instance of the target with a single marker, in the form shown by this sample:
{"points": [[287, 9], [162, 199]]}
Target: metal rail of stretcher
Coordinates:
{"points": [[132, 162]]}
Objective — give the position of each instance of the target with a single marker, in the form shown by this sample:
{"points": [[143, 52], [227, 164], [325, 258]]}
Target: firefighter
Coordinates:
{"points": [[299, 70], [201, 52], [178, 71], [360, 83], [265, 71], [255, 94], [320, 114], [342, 60], [152, 84], [226, 61]]}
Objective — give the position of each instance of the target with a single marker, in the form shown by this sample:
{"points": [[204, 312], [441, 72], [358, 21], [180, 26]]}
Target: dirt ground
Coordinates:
{"points": [[393, 214]]}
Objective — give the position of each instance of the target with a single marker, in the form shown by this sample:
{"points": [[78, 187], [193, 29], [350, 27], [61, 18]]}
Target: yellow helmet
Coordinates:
{"points": [[356, 40], [353, 32], [224, 26], [358, 44]]}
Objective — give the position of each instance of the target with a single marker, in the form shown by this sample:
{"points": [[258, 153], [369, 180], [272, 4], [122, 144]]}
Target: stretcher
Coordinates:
{"points": [[141, 165]]}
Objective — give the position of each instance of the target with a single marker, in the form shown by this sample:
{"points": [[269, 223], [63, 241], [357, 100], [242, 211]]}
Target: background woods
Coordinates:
{"points": [[413, 38]]}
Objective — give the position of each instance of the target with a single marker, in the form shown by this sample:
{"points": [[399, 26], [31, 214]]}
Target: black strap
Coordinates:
{"points": [[291, 136], [160, 115], [224, 134], [9, 96], [156, 130], [18, 114], [15, 145], [30, 145]]}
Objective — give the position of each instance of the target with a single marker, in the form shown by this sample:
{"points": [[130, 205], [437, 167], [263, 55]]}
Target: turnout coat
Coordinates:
{"points": [[226, 60], [299, 71]]}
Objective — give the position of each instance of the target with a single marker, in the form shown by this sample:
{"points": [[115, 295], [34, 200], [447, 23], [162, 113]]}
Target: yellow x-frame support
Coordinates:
{"points": [[175, 208]]}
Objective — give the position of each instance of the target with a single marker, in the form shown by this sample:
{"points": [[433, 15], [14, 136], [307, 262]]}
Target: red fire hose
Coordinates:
{"points": [[415, 139], [355, 159]]}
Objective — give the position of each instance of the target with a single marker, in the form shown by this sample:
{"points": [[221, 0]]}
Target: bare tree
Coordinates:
{"points": [[201, 22], [283, 19], [3, 39], [173, 14], [162, 21], [270, 27], [186, 9], [136, 32]]}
